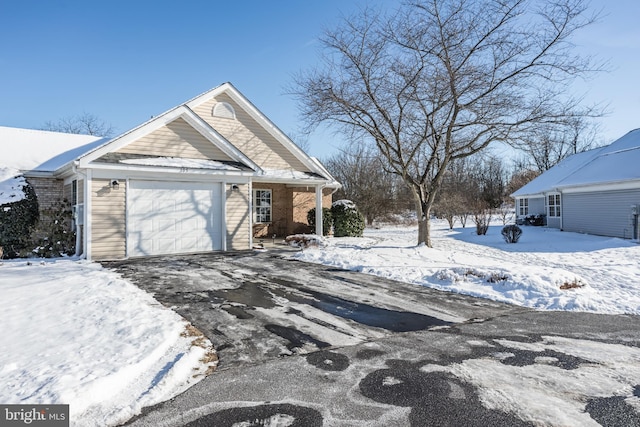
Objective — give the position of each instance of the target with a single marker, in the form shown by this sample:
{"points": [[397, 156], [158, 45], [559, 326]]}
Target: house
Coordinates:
{"points": [[211, 174], [595, 192]]}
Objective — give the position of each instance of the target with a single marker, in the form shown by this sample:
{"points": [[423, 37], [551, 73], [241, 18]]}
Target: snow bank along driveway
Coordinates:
{"points": [[599, 274], [74, 333]]}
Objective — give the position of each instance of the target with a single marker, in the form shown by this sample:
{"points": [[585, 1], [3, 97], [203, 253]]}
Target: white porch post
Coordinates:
{"points": [[319, 210]]}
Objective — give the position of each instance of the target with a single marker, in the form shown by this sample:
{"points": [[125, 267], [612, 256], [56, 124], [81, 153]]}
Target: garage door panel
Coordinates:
{"points": [[168, 217]]}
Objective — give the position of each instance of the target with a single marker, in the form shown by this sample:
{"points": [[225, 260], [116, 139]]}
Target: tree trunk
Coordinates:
{"points": [[423, 211]]}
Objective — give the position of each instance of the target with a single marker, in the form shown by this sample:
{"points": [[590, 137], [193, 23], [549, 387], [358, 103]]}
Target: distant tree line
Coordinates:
{"points": [[472, 187]]}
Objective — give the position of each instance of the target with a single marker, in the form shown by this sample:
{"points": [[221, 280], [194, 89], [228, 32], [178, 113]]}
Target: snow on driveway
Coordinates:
{"points": [[600, 274], [75, 333]]}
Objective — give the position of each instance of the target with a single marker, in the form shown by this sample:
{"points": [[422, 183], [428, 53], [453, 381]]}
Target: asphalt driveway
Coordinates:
{"points": [[303, 344], [256, 306]]}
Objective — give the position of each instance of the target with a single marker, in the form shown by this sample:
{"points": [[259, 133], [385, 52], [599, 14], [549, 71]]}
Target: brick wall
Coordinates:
{"points": [[289, 209], [48, 190]]}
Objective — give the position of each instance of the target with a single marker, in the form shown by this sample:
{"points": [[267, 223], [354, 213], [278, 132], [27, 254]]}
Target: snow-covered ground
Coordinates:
{"points": [[601, 274], [75, 333]]}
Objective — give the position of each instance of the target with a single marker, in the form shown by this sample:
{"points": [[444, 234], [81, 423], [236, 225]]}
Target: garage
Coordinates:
{"points": [[173, 217]]}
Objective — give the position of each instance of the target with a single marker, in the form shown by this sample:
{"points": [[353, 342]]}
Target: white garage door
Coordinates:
{"points": [[173, 217]]}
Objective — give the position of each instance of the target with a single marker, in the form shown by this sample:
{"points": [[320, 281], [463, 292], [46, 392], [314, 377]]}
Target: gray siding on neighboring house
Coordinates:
{"points": [[553, 222], [602, 213]]}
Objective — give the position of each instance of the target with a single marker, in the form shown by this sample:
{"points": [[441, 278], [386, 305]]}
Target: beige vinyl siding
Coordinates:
{"points": [[80, 191], [177, 139], [238, 218], [249, 137], [108, 221]]}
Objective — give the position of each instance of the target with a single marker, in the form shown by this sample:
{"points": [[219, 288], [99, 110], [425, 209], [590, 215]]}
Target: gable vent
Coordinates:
{"points": [[224, 110]]}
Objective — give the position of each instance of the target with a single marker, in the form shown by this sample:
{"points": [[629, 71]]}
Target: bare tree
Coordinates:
{"points": [[443, 79], [548, 145], [84, 124], [364, 181]]}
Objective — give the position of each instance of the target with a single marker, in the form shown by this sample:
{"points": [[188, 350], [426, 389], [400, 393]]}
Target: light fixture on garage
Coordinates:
{"points": [[235, 187], [114, 184]]}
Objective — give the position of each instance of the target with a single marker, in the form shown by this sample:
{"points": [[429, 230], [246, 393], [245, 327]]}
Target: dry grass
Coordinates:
{"points": [[210, 357], [576, 283]]}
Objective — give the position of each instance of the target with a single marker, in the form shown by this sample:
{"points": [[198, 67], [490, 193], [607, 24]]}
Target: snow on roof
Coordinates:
{"points": [[180, 163], [613, 163], [288, 174], [26, 149], [62, 159]]}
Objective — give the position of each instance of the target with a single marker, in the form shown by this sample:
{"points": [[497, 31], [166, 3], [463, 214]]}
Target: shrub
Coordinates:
{"points": [[53, 237], [511, 233], [17, 221], [327, 220], [347, 220], [482, 220]]}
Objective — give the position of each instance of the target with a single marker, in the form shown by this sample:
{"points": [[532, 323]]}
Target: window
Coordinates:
{"points": [[554, 205], [262, 205], [523, 207], [225, 110]]}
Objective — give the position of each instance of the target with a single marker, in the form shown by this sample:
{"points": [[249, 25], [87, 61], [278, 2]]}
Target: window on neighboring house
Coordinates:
{"points": [[523, 207], [262, 205], [553, 201]]}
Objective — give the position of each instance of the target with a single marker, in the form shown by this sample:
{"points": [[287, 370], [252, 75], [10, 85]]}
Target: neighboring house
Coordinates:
{"points": [[211, 174], [594, 192]]}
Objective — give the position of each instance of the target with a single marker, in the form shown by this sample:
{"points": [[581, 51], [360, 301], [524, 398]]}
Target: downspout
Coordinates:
{"points": [[319, 212], [79, 234], [561, 210]]}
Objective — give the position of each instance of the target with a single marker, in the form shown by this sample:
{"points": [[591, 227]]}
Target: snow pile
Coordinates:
{"points": [[11, 183], [85, 337], [348, 204], [547, 269]]}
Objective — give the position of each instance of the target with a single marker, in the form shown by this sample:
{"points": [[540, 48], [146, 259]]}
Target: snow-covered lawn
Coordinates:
{"points": [[601, 274], [75, 333]]}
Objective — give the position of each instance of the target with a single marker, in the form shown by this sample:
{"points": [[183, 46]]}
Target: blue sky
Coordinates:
{"points": [[125, 61]]}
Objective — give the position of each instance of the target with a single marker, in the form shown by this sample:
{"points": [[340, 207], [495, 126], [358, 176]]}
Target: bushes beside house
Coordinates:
{"points": [[347, 219], [17, 222], [27, 231], [344, 216], [327, 220], [52, 236]]}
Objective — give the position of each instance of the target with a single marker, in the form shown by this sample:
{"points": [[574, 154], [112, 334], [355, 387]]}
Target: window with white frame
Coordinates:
{"points": [[553, 202], [523, 207], [262, 206]]}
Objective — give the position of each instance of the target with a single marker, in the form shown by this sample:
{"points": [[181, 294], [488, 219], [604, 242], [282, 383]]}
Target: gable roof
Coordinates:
{"points": [[65, 150], [614, 163], [181, 111], [268, 125], [26, 149]]}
